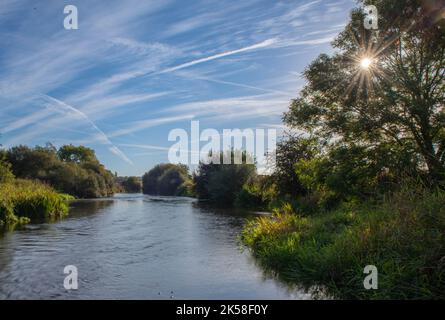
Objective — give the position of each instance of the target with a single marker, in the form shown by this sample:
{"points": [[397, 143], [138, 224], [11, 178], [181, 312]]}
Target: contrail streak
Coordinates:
{"points": [[104, 138], [263, 44]]}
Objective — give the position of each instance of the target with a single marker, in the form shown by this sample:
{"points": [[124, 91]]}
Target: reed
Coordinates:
{"points": [[23, 201], [403, 236]]}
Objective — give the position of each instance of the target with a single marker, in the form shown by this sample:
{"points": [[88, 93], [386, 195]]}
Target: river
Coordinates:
{"points": [[133, 246]]}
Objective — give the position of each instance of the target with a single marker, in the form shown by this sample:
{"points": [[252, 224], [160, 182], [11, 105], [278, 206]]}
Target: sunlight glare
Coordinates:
{"points": [[365, 63]]}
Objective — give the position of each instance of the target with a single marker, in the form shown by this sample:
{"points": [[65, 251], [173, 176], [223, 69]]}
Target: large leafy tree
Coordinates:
{"points": [[32, 163], [382, 88], [78, 154], [221, 183]]}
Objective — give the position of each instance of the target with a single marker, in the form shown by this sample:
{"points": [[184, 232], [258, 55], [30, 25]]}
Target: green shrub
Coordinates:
{"points": [[249, 197]]}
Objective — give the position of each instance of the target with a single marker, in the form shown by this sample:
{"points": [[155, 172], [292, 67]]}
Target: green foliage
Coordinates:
{"points": [[32, 163], [351, 172], [131, 184], [258, 193], [6, 174], [80, 154], [24, 200], [249, 197], [289, 151], [394, 111], [167, 180], [402, 236], [220, 184], [186, 188], [72, 170]]}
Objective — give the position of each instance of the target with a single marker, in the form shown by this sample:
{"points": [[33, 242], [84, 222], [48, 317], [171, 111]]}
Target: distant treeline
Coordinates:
{"points": [[168, 180], [220, 185], [217, 184], [129, 184], [74, 170]]}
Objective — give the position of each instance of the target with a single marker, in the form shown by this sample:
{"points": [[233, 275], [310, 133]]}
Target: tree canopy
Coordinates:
{"points": [[391, 109], [77, 154]]}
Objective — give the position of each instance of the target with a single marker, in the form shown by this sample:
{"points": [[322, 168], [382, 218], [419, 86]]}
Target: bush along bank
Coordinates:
{"points": [[23, 201]]}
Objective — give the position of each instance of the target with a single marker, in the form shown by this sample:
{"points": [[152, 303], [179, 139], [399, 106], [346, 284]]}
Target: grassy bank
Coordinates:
{"points": [[22, 201], [403, 236]]}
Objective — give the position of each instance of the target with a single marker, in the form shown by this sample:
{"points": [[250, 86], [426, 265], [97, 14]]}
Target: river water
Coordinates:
{"points": [[136, 247]]}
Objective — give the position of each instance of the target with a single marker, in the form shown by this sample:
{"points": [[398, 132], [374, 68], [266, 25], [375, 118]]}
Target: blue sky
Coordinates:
{"points": [[134, 70]]}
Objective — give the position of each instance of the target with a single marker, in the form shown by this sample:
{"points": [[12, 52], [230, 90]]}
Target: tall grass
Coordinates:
{"points": [[24, 201], [403, 236]]}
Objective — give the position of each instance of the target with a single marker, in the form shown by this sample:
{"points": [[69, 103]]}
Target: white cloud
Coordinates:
{"points": [[9, 6], [144, 146], [316, 41], [141, 125], [75, 113], [230, 83], [102, 107], [263, 44]]}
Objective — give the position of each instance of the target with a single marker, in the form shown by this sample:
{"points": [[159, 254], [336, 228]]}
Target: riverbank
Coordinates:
{"points": [[401, 235], [23, 200]]}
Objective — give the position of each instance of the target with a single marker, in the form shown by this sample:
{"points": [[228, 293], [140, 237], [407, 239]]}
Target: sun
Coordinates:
{"points": [[366, 63]]}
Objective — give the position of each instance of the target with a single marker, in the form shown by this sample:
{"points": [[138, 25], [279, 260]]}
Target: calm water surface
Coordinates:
{"points": [[136, 247]]}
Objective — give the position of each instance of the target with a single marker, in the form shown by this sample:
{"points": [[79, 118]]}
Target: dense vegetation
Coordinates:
{"points": [[343, 194], [167, 180], [22, 201], [403, 237], [36, 183], [74, 170], [224, 185], [129, 184]]}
